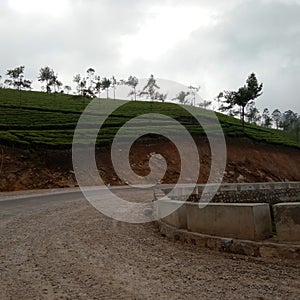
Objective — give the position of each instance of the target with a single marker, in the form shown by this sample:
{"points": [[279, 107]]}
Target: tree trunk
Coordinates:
{"points": [[243, 118]]}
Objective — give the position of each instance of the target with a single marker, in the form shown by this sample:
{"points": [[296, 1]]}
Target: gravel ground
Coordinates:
{"points": [[65, 249]]}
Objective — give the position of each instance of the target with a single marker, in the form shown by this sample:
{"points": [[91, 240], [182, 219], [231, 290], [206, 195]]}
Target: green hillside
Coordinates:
{"points": [[41, 120]]}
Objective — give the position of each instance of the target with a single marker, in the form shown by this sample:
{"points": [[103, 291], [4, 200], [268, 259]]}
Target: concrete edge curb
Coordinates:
{"points": [[263, 249], [10, 196]]}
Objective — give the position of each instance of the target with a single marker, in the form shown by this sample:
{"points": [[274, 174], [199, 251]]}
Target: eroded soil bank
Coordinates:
{"points": [[247, 161]]}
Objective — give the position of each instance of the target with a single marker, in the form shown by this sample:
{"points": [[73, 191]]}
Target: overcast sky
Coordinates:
{"points": [[212, 43]]}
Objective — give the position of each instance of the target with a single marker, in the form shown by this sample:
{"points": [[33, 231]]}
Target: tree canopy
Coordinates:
{"points": [[243, 95]]}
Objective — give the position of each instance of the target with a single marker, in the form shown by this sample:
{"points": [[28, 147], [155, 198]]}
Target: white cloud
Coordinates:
{"points": [[164, 27], [53, 8], [215, 44]]}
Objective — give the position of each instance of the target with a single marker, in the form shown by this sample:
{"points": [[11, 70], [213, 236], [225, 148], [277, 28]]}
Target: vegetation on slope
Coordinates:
{"points": [[35, 119]]}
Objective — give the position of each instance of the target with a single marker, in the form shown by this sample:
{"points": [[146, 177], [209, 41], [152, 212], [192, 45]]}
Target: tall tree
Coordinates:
{"points": [[267, 120], [252, 113], [132, 82], [105, 83], [82, 88], [219, 100], [55, 83], [47, 75], [90, 76], [16, 78], [289, 118], [193, 92], [243, 95], [150, 88], [114, 85], [98, 85], [277, 116]]}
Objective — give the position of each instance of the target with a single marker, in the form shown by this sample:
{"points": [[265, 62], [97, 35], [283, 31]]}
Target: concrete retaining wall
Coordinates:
{"points": [[177, 218], [287, 219], [233, 227], [241, 221]]}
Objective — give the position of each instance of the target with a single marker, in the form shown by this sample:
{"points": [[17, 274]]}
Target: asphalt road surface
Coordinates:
{"points": [[60, 247]]}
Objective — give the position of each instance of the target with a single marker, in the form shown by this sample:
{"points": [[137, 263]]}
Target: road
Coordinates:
{"points": [[60, 247]]}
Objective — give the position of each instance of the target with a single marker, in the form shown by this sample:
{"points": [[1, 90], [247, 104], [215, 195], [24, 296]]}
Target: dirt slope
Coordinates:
{"points": [[247, 161]]}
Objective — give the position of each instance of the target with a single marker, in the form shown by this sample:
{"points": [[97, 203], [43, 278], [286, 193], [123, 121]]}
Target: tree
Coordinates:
{"points": [[297, 128], [205, 104], [67, 88], [243, 95], [98, 86], [132, 82], [55, 83], [160, 96], [277, 116], [16, 79], [90, 76], [114, 85], [77, 80], [219, 99], [85, 85], [193, 93], [46, 75], [106, 85], [252, 113], [182, 97], [267, 120], [150, 88], [291, 122], [289, 118]]}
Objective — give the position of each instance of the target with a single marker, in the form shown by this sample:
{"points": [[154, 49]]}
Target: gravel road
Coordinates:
{"points": [[60, 247]]}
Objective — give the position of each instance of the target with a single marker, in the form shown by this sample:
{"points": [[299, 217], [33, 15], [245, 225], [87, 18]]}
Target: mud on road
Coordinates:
{"points": [[62, 248]]}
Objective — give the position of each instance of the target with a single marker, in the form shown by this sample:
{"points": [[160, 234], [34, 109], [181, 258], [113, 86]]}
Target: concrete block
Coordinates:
{"points": [[177, 218], [241, 221], [287, 219]]}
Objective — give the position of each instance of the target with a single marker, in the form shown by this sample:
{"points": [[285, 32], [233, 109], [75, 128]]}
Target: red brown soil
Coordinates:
{"points": [[247, 161]]}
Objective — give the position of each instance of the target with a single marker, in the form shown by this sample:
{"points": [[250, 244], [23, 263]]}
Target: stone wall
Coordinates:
{"points": [[271, 193]]}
